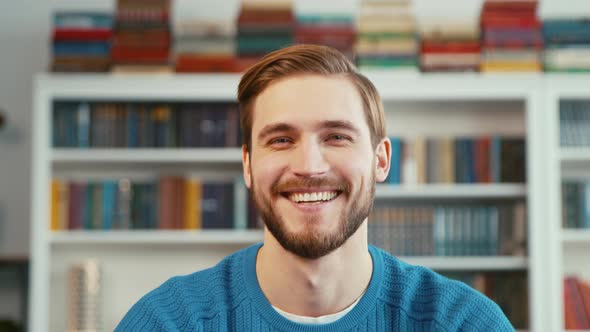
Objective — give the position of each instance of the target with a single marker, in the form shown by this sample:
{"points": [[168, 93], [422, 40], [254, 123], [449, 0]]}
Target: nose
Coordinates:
{"points": [[309, 159]]}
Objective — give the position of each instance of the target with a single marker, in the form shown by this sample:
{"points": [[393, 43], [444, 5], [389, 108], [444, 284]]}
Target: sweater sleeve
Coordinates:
{"points": [[471, 311]]}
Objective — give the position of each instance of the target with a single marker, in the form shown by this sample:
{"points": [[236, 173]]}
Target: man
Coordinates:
{"points": [[314, 147]]}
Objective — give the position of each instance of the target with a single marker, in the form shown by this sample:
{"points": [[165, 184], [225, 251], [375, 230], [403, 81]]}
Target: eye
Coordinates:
{"points": [[279, 140], [338, 138]]}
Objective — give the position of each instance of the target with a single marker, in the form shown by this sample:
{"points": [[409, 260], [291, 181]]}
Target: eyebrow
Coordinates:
{"points": [[285, 127]]}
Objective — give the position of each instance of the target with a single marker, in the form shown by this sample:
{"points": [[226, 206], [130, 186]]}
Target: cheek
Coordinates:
{"points": [[265, 170]]}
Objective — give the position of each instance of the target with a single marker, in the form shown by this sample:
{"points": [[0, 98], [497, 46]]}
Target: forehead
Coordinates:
{"points": [[307, 99]]}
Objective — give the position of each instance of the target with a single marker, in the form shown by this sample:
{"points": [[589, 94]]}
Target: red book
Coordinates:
{"points": [[482, 160], [577, 310], [166, 197], [494, 5], [450, 47], [513, 45], [496, 21], [207, 64], [66, 34], [140, 15], [584, 288], [139, 55]]}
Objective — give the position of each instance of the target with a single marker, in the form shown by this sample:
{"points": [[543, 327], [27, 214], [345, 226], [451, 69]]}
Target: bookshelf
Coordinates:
{"points": [[137, 261], [569, 246]]}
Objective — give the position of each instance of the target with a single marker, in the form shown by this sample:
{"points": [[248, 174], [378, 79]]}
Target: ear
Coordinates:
{"points": [[383, 159], [246, 166]]}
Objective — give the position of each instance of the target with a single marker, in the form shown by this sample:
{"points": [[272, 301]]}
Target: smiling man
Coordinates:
{"points": [[314, 147]]}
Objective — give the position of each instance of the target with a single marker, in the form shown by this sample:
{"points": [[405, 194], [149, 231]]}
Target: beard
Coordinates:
{"points": [[309, 243]]}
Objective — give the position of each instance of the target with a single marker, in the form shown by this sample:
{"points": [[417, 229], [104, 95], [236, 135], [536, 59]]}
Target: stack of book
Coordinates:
{"points": [[263, 26], [85, 296], [169, 202], [574, 123], [449, 230], [142, 36], [449, 46], [575, 202], [512, 38], [322, 26], [81, 42], [386, 36], [140, 125], [567, 45], [509, 290], [576, 296], [485, 159], [204, 46]]}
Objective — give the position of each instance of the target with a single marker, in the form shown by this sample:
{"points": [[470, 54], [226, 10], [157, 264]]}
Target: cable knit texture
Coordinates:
{"points": [[400, 297]]}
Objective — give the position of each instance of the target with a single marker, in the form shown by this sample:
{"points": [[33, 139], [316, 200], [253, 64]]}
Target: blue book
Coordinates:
{"points": [[81, 48], [585, 203], [394, 176], [132, 123], [210, 206], [109, 201], [470, 172], [82, 19]]}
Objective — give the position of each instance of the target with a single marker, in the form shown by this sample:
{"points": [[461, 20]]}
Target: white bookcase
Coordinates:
{"points": [[570, 248], [134, 262]]}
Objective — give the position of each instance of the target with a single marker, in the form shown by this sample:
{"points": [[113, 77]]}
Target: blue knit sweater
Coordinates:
{"points": [[400, 297]]}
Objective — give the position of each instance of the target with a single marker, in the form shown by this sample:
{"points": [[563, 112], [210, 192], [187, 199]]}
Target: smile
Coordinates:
{"points": [[312, 197]]}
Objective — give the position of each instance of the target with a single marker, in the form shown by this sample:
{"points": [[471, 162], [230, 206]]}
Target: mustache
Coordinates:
{"points": [[281, 186]]}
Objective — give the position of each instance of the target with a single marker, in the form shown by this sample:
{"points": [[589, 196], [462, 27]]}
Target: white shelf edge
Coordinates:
{"points": [[575, 236], [470, 263], [574, 154], [168, 237], [496, 190], [151, 155]]}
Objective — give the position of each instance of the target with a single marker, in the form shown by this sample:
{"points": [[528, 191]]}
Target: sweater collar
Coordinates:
{"points": [[358, 314]]}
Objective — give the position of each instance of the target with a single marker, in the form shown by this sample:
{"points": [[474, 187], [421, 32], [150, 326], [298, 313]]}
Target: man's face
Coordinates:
{"points": [[312, 168]]}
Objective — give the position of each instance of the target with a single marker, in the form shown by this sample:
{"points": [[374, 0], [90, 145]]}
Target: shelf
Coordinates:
{"points": [[223, 86], [147, 237], [452, 191], [575, 236], [179, 237], [470, 263], [575, 154], [120, 156]]}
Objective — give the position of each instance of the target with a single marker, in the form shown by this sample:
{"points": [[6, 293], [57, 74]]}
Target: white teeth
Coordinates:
{"points": [[313, 197]]}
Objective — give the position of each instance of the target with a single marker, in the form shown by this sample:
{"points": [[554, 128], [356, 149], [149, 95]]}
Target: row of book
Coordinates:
{"points": [[486, 159], [136, 125], [574, 123], [508, 36], [170, 202], [576, 295], [575, 204], [450, 230], [509, 290]]}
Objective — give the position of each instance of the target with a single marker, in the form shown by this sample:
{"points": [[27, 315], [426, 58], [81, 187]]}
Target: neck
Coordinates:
{"points": [[316, 287]]}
